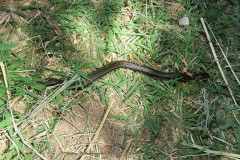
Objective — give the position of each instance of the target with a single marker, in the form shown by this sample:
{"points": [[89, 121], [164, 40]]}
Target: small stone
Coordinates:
{"points": [[184, 21]]}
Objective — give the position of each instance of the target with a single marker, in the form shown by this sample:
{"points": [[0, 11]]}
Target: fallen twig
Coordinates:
{"points": [[218, 64], [209, 151]]}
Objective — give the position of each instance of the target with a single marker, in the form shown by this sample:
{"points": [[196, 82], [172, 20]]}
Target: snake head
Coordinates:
{"points": [[200, 76]]}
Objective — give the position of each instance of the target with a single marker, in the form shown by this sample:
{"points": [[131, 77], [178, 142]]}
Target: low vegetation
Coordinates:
{"points": [[148, 118]]}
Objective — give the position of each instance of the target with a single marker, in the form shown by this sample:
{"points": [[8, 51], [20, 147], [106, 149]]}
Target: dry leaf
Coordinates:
{"points": [[189, 74], [185, 62], [16, 17], [20, 107], [185, 70], [52, 22], [131, 57], [3, 17], [176, 66]]}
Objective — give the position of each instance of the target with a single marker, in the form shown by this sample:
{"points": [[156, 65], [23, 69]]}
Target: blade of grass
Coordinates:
{"points": [[224, 55], [206, 106], [47, 99], [11, 113], [218, 64]]}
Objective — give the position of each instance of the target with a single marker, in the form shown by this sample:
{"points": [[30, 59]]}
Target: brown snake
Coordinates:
{"points": [[184, 77]]}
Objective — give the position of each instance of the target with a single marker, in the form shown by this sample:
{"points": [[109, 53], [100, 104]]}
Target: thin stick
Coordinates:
{"points": [[5, 22], [2, 66], [47, 99], [21, 137], [125, 149], [3, 17], [33, 18], [219, 153], [224, 55], [59, 144], [217, 61], [14, 144], [97, 133]]}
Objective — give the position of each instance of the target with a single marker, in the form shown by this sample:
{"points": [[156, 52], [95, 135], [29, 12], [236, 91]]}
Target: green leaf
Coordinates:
{"points": [[118, 117], [226, 125], [7, 121], [39, 128], [19, 145], [38, 87], [237, 132], [14, 66], [6, 46]]}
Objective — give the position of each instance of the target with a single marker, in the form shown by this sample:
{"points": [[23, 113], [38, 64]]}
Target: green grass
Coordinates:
{"points": [[164, 118]]}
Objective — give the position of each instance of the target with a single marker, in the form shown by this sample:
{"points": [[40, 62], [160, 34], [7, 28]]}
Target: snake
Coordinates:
{"points": [[102, 71]]}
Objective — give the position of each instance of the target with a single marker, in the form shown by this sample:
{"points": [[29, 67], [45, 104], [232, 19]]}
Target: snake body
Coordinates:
{"points": [[100, 72]]}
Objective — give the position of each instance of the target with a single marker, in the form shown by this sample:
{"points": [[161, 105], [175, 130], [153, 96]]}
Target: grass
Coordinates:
{"points": [[161, 119]]}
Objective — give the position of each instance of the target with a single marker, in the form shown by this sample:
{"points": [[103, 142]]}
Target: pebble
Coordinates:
{"points": [[184, 21]]}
